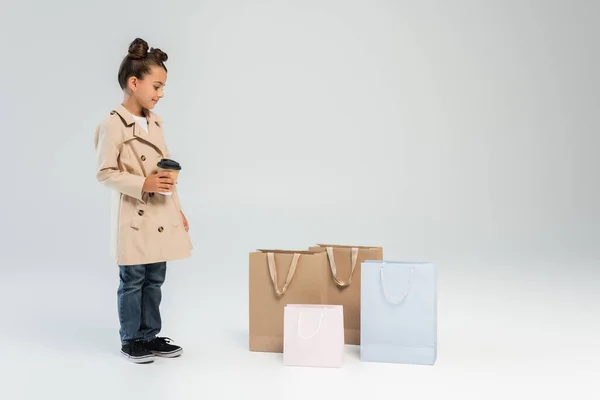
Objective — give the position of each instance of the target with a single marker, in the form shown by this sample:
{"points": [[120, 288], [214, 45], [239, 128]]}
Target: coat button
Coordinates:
{"points": [[160, 229], [143, 158], [141, 212]]}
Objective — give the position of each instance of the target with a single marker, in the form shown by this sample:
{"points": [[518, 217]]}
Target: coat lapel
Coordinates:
{"points": [[154, 137]]}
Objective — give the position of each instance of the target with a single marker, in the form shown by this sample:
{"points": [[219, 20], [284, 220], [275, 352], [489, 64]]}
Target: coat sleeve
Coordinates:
{"points": [[107, 144]]}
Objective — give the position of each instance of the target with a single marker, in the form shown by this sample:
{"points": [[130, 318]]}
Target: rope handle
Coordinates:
{"points": [[391, 299], [316, 330], [332, 265], [273, 272]]}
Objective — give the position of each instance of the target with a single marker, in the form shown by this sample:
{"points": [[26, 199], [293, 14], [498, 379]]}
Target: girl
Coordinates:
{"points": [[149, 229]]}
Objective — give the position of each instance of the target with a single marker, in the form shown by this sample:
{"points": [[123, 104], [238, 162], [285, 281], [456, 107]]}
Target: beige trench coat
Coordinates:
{"points": [[146, 227]]}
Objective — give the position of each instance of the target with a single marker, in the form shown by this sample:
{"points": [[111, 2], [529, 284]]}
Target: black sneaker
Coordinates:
{"points": [[161, 347], [136, 353]]}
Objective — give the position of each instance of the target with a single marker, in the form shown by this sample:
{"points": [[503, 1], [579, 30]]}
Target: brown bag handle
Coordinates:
{"points": [[336, 278], [273, 272]]}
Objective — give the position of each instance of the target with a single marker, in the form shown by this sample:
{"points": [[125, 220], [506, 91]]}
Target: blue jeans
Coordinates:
{"points": [[138, 299]]}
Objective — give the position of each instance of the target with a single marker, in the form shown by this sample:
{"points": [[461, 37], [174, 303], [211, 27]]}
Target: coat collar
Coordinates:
{"points": [[154, 137], [127, 117]]}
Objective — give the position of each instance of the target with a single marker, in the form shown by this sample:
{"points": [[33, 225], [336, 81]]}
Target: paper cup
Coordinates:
{"points": [[169, 166]]}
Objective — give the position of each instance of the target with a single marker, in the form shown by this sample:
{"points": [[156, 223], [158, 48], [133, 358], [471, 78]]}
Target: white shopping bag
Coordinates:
{"points": [[398, 312], [313, 335]]}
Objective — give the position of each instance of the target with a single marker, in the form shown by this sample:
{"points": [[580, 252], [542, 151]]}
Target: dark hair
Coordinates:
{"points": [[139, 60]]}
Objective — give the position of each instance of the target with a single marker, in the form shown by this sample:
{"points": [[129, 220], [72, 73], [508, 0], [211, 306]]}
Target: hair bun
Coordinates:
{"points": [[138, 49], [159, 54]]}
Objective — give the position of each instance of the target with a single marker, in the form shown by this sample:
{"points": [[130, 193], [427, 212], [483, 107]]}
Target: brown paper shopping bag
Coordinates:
{"points": [[278, 278], [343, 283]]}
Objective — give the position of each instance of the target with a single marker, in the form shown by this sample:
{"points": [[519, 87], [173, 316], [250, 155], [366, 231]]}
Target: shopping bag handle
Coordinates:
{"points": [[336, 278], [273, 272], [391, 299], [316, 330]]}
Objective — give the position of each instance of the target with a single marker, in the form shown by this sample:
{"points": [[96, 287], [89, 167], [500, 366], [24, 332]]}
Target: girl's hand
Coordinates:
{"points": [[158, 182], [185, 222]]}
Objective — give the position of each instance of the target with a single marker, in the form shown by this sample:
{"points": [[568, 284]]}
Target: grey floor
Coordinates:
{"points": [[502, 333]]}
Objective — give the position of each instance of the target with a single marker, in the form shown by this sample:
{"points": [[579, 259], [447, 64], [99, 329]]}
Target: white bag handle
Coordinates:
{"points": [[391, 299], [315, 332], [273, 272], [336, 278]]}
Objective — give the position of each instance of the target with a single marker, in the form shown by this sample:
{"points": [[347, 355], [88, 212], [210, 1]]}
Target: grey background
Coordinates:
{"points": [[453, 132], [463, 133]]}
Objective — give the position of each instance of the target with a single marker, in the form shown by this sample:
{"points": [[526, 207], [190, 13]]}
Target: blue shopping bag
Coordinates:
{"points": [[398, 312]]}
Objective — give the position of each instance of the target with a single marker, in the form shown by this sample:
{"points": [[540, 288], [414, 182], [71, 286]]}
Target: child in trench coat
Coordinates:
{"points": [[148, 226]]}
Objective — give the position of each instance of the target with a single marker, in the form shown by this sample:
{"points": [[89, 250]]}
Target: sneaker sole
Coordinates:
{"points": [[172, 354], [138, 360]]}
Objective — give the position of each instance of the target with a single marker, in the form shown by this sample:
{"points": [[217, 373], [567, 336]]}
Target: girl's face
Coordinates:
{"points": [[149, 90]]}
